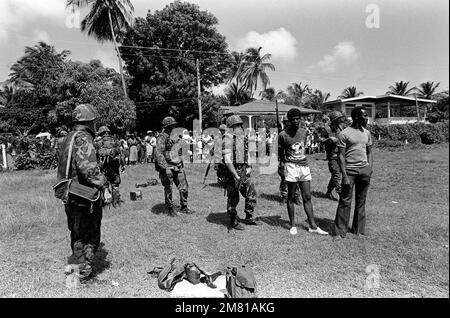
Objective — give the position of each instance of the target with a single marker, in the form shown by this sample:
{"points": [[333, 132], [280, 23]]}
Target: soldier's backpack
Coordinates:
{"points": [[108, 150], [241, 282], [176, 271]]}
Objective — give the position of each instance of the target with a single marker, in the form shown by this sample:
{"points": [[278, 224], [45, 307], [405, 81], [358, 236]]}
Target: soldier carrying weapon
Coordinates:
{"points": [[110, 161], [171, 168], [237, 178]]}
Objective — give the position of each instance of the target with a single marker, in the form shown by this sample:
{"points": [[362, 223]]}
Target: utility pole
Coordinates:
{"points": [[198, 96], [417, 107]]}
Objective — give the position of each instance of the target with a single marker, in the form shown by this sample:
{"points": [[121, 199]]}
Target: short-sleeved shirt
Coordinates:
{"points": [[355, 143], [292, 146]]}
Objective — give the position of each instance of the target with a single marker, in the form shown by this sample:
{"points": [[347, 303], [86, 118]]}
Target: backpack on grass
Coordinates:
{"points": [[241, 282]]}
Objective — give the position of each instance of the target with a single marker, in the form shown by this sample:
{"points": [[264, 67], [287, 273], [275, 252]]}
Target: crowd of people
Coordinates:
{"points": [[89, 165]]}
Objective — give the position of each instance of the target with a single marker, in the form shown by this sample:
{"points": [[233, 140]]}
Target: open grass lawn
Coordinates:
{"points": [[408, 227]]}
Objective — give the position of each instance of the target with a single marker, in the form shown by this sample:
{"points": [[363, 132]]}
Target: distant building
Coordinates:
{"points": [[253, 111], [384, 109]]}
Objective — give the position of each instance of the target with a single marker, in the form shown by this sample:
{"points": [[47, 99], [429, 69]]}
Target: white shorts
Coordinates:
{"points": [[296, 173]]}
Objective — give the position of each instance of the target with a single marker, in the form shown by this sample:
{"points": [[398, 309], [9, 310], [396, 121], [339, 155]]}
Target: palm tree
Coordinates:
{"points": [[401, 89], [322, 97], [254, 68], [427, 90], [236, 67], [350, 92], [296, 92], [236, 94], [105, 20], [268, 93]]}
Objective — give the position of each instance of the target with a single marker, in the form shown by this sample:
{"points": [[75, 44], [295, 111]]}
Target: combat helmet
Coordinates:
{"points": [[84, 112], [234, 120], [103, 129], [335, 115], [168, 121]]}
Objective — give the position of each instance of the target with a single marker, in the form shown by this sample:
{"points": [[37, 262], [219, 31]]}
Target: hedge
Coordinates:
{"points": [[397, 134]]}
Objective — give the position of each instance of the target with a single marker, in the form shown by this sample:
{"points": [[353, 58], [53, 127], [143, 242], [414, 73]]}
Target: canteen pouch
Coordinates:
{"points": [[84, 192], [240, 283], [62, 189]]}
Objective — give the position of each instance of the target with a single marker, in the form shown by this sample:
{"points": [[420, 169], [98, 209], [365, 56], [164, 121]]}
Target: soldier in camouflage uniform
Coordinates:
{"points": [[110, 161], [83, 217], [237, 178], [170, 168], [330, 134]]}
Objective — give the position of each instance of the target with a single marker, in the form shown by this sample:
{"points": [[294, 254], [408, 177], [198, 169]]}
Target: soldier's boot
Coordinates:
{"points": [[235, 225], [250, 220], [86, 272], [186, 210], [117, 201]]}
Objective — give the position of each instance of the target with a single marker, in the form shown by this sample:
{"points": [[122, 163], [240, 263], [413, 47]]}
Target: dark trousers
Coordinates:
{"points": [[335, 180], [247, 190], [179, 178], [283, 185], [84, 224], [360, 182]]}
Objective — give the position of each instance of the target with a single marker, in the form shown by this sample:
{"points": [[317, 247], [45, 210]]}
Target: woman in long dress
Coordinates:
{"points": [[133, 150]]}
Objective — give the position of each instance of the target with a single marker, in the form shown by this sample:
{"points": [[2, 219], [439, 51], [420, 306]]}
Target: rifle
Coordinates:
{"points": [[207, 170], [278, 116]]}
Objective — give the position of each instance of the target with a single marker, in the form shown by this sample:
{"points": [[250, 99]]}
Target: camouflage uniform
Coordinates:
{"points": [[110, 160], [83, 217], [163, 161], [245, 187]]}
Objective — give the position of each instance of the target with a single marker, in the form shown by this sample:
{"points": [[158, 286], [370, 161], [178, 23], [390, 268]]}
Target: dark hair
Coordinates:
{"points": [[357, 111], [294, 112]]}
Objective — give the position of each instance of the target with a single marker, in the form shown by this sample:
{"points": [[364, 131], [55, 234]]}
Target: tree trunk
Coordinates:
{"points": [[118, 55]]}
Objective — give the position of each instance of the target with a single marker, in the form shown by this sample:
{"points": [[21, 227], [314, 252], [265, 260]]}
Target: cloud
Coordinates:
{"points": [[280, 43], [41, 35], [14, 14], [344, 53], [108, 59]]}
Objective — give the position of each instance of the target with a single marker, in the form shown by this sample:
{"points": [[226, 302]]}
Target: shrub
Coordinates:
{"points": [[413, 133], [25, 162]]}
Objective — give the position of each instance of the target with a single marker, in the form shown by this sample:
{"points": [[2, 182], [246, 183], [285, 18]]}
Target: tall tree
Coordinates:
{"points": [[255, 68], [296, 93], [236, 67], [427, 90], [350, 92], [401, 89], [105, 20], [236, 95], [165, 70], [268, 94], [315, 99]]}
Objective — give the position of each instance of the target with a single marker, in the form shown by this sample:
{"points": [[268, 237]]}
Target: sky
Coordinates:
{"points": [[327, 44]]}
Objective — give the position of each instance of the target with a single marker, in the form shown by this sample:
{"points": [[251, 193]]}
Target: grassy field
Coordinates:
{"points": [[408, 228]]}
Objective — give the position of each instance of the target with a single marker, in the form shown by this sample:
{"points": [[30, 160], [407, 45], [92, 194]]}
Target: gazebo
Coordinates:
{"points": [[384, 109], [251, 112]]}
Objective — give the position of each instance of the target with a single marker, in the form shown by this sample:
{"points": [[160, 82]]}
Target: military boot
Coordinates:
{"points": [[235, 225]]}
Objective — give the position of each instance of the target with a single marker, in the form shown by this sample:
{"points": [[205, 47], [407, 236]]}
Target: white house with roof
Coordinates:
{"points": [[253, 111], [384, 109]]}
